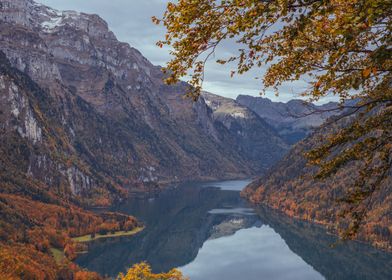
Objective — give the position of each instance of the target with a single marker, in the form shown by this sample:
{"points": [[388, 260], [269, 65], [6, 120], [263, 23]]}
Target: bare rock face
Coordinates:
{"points": [[101, 117], [34, 147], [19, 111]]}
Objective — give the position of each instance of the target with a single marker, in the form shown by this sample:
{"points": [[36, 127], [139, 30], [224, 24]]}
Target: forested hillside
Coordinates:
{"points": [[291, 187]]}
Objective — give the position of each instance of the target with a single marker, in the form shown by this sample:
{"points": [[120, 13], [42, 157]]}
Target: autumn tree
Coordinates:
{"points": [[340, 47], [142, 271]]}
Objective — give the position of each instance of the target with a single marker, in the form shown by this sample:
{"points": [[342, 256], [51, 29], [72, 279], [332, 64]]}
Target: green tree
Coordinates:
{"points": [[342, 47]]}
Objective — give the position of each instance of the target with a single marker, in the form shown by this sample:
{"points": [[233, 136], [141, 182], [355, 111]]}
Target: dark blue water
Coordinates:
{"points": [[210, 233]]}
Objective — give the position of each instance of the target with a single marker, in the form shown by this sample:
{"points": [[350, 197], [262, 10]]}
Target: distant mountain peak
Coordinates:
{"points": [[294, 119]]}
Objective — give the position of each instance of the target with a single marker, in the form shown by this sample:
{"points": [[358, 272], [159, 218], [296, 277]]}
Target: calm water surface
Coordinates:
{"points": [[210, 233]]}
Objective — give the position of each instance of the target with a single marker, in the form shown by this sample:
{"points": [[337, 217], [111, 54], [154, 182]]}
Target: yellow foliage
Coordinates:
{"points": [[142, 271]]}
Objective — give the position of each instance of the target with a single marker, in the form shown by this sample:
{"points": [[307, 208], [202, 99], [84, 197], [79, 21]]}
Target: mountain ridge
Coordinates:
{"points": [[294, 119]]}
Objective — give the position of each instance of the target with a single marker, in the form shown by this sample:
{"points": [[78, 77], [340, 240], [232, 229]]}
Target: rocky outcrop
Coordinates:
{"points": [[293, 120]]}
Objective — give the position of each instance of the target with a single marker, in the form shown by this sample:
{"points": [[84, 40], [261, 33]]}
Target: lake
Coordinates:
{"points": [[209, 232]]}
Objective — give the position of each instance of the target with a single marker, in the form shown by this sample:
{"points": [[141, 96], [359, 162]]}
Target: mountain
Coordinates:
{"points": [[290, 187], [123, 128], [293, 120], [254, 137]]}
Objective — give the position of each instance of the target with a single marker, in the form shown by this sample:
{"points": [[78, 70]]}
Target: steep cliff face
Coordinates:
{"points": [[42, 182], [252, 136], [36, 147], [293, 120], [120, 126]]}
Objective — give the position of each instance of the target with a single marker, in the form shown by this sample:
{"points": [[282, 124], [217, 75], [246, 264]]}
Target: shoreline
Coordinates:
{"points": [[327, 227], [88, 237]]}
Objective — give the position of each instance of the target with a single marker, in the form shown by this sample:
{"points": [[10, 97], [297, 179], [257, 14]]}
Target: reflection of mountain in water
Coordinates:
{"points": [[178, 222], [348, 260]]}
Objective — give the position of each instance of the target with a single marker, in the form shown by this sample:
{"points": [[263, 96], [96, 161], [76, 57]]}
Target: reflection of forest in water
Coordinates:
{"points": [[179, 221], [334, 260]]}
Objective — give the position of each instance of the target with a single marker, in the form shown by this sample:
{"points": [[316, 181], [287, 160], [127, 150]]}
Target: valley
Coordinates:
{"points": [[104, 165]]}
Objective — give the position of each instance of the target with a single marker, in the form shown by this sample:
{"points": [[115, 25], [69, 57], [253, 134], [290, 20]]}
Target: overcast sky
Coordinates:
{"points": [[131, 22]]}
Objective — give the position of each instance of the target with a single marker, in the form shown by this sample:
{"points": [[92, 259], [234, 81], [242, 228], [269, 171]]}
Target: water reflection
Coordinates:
{"points": [[211, 233], [236, 185], [252, 254], [240, 211], [348, 260]]}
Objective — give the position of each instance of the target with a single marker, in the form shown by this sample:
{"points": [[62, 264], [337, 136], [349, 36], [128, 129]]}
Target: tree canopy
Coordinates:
{"points": [[340, 47]]}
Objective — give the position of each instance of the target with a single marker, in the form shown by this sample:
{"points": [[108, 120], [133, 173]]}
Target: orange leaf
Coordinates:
{"points": [[366, 72]]}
